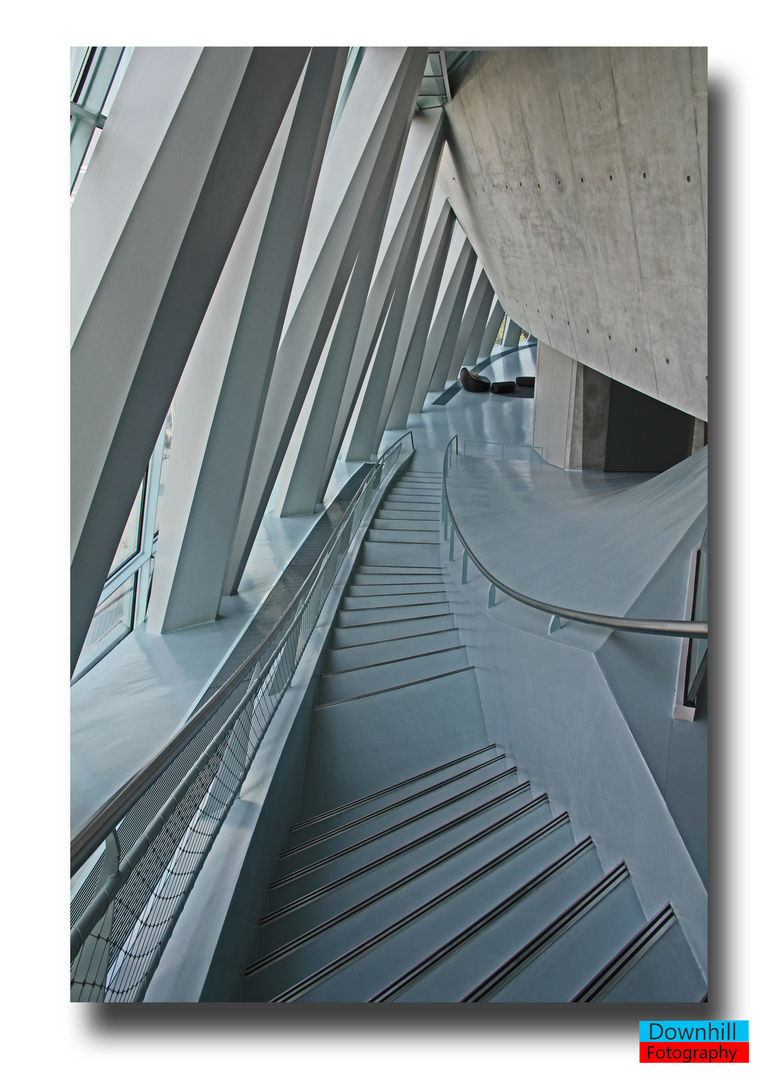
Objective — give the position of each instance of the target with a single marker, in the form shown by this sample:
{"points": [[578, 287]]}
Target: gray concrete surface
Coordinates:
{"points": [[580, 177]]}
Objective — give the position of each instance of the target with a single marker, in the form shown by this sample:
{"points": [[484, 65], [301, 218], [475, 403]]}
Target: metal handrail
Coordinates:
{"points": [[95, 830], [665, 627]]}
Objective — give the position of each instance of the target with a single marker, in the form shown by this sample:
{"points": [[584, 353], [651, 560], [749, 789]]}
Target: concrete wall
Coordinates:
{"points": [[579, 176]]}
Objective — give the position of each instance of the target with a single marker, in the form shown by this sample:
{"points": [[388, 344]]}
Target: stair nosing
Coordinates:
{"points": [[342, 961], [295, 875], [627, 957], [391, 689], [401, 802], [390, 787], [395, 660], [404, 637], [478, 925], [334, 920], [551, 933]]}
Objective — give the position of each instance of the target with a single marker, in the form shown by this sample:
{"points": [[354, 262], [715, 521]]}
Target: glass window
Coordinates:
{"points": [[113, 620], [165, 458], [131, 537]]}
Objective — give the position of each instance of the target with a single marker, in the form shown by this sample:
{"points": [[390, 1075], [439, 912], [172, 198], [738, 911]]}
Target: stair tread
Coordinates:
{"points": [[342, 685], [556, 967], [353, 925]]}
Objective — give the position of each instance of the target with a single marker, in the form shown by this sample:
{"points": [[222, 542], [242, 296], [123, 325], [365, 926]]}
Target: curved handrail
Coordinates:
{"points": [[665, 627], [95, 830]]}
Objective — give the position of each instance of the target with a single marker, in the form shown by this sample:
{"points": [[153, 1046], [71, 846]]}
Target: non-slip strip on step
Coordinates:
{"points": [[391, 689], [386, 607], [396, 637], [395, 660], [309, 935], [379, 540], [390, 788], [525, 956], [410, 568], [628, 956], [469, 932], [287, 879], [401, 802], [308, 983]]}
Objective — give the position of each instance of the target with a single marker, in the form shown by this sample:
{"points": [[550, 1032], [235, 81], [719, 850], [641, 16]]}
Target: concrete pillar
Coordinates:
{"points": [[557, 407], [477, 308], [323, 422], [373, 124], [491, 330], [418, 316], [140, 325], [445, 324], [220, 397]]}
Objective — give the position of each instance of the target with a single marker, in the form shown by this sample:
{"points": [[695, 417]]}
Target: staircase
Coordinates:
{"points": [[425, 867]]}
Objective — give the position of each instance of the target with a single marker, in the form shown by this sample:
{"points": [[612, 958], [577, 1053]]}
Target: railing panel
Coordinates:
{"points": [[689, 628], [123, 916]]}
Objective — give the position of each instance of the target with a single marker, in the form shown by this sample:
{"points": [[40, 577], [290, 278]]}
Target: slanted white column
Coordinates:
{"points": [[316, 440], [144, 315], [221, 395], [473, 345], [478, 305], [445, 326], [511, 335], [457, 295], [363, 442], [491, 330], [297, 491], [419, 309], [373, 124]]}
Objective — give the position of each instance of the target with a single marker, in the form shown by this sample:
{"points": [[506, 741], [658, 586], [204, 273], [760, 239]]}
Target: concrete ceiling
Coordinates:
{"points": [[580, 177]]}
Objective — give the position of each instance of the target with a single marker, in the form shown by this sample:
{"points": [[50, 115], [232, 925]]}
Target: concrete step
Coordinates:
{"points": [[404, 789], [404, 536], [437, 868], [410, 960], [360, 746], [388, 613], [378, 552], [387, 674], [571, 950], [443, 797], [392, 576], [326, 883], [416, 585], [377, 600], [428, 490], [411, 501], [656, 965], [415, 524], [396, 648], [395, 572], [499, 924], [406, 515], [377, 632]]}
